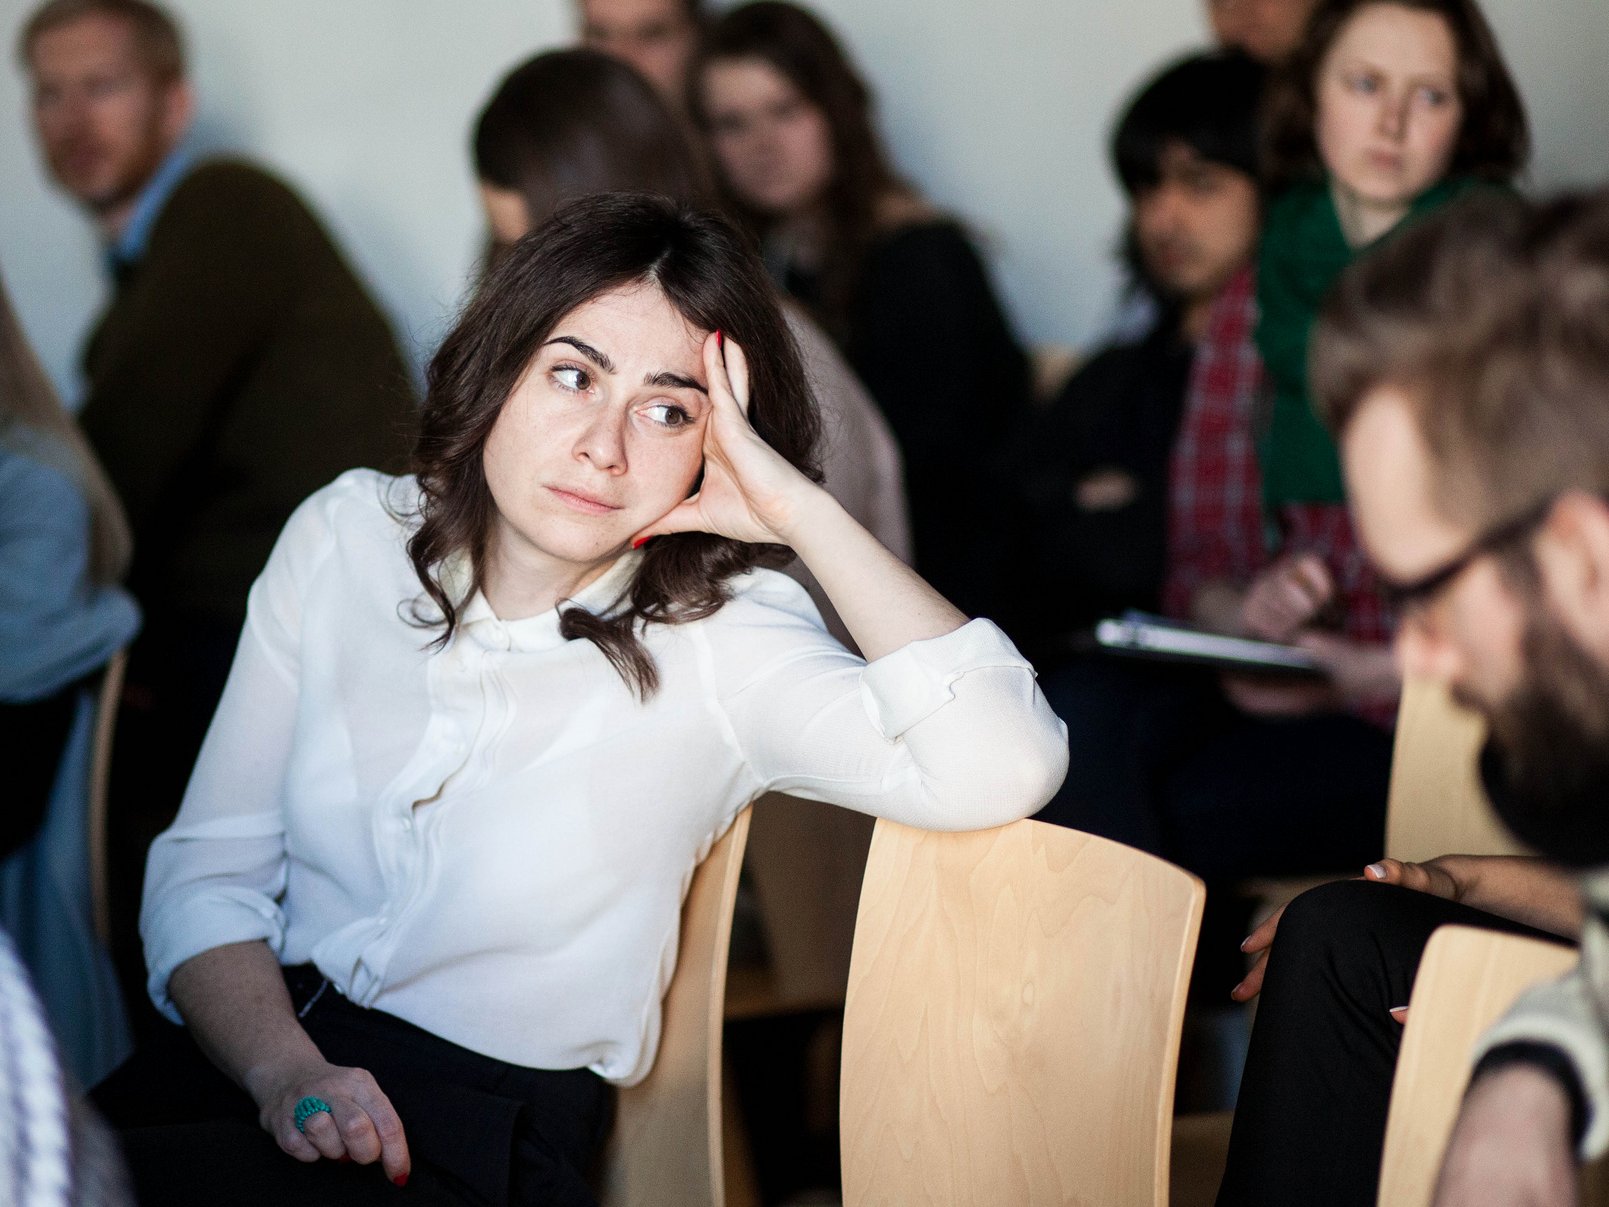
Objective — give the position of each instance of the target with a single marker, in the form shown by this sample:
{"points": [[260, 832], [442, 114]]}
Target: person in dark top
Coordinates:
{"points": [[239, 365], [897, 283], [1091, 472]]}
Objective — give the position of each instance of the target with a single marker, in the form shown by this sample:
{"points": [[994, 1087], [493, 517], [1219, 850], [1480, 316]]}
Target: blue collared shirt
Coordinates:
{"points": [[129, 247]]}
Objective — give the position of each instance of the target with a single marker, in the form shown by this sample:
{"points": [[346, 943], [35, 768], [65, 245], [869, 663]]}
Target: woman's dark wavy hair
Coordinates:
{"points": [[1493, 143], [805, 52], [710, 274]]}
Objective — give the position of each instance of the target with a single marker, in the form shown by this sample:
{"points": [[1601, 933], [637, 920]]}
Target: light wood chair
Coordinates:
{"points": [[1012, 1026], [100, 769], [1467, 979], [1436, 805], [666, 1148]]}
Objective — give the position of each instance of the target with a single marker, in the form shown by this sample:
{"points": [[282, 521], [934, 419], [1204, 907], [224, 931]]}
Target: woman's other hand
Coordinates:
{"points": [[749, 492], [361, 1124]]}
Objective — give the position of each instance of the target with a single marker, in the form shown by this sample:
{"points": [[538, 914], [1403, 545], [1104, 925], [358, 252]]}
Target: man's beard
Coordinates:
{"points": [[1545, 764]]}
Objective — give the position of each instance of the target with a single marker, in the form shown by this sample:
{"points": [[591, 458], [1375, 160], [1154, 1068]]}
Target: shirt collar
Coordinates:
{"points": [[128, 248], [478, 621]]}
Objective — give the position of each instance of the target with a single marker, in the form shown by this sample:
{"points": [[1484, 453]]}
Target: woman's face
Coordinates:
{"points": [[601, 437], [773, 145], [1389, 113]]}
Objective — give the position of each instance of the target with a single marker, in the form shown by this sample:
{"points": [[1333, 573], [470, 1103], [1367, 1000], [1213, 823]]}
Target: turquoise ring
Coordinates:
{"points": [[306, 1108]]}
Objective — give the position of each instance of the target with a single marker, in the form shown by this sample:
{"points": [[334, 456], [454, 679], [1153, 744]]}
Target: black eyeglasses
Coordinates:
{"points": [[1404, 598]]}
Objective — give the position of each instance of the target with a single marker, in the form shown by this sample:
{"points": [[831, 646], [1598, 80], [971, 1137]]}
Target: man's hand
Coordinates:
{"points": [[1511, 1145]]}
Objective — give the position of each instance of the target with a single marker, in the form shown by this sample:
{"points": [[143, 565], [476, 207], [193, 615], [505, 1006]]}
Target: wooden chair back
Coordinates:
{"points": [[1436, 805], [666, 1146], [100, 771], [1467, 979], [1012, 1027]]}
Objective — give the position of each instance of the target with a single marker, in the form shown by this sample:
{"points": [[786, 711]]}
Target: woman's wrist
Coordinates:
{"points": [[807, 513]]}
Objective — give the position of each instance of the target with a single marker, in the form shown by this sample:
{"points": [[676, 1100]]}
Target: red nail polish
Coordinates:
{"points": [[639, 542], [720, 340], [400, 1180]]}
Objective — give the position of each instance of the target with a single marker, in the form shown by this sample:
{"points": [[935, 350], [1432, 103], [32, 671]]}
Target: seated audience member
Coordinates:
{"points": [[63, 547], [572, 122], [656, 37], [897, 283], [239, 365], [1268, 30], [1463, 367], [1091, 472], [421, 901]]}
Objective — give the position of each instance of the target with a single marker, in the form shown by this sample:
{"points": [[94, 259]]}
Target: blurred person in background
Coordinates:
{"points": [[897, 283], [656, 37], [239, 364], [64, 548], [1268, 30]]}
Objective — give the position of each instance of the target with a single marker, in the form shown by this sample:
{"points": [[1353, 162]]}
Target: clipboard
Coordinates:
{"points": [[1141, 635]]}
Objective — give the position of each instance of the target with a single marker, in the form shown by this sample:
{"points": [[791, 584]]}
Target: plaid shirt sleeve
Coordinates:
{"points": [[1215, 513]]}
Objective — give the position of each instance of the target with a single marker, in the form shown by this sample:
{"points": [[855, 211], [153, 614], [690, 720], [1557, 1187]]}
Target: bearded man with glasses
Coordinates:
{"points": [[1464, 369]]}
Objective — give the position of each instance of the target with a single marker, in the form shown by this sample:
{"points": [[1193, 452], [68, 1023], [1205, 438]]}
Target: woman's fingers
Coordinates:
{"points": [[390, 1141], [1253, 984], [737, 371], [322, 1132]]}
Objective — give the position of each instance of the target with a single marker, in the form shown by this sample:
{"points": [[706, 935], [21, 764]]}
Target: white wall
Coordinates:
{"points": [[999, 111]]}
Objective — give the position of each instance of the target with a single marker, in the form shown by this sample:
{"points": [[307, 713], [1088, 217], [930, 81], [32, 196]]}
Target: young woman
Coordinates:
{"points": [[422, 897], [1390, 109], [895, 282], [572, 122]]}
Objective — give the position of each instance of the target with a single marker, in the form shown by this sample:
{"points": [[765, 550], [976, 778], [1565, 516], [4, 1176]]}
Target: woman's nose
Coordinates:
{"points": [[1393, 117], [602, 443]]}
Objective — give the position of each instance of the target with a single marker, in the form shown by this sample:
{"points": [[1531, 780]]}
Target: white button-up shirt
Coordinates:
{"points": [[492, 839]]}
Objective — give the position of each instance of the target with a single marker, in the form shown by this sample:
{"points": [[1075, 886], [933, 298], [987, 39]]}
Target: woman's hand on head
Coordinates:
{"points": [[361, 1124], [749, 491]]}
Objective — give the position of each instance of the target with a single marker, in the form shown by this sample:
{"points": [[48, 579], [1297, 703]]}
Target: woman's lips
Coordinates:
{"points": [[585, 504]]}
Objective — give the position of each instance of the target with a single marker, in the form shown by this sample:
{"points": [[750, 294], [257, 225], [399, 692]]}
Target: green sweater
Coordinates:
{"points": [[1303, 251], [239, 367]]}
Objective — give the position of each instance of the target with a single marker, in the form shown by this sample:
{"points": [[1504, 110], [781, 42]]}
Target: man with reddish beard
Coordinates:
{"points": [[239, 366], [1465, 370]]}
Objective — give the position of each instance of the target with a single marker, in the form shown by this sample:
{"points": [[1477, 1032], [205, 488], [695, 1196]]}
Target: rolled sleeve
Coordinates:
{"points": [[186, 914], [1563, 1016], [903, 689]]}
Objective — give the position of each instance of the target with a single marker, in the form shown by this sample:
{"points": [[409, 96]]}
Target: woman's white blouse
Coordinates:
{"points": [[492, 840]]}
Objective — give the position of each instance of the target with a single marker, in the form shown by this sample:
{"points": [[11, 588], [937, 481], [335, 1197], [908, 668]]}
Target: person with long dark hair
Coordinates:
{"points": [[422, 897], [898, 284]]}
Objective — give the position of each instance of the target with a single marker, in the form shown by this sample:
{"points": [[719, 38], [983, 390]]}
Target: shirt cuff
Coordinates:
{"points": [[1555, 1062], [906, 687], [187, 928]]}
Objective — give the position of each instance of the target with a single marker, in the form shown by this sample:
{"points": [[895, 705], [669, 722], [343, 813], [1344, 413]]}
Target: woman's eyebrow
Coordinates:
{"points": [[673, 381], [586, 350]]}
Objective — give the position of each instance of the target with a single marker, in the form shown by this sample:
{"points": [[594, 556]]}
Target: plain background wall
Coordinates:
{"points": [[999, 111]]}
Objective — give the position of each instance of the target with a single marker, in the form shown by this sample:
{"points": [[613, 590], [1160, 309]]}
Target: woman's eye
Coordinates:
{"points": [[1363, 83], [1434, 97], [668, 414], [572, 378]]}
